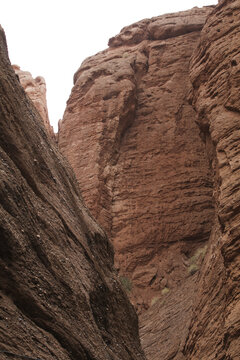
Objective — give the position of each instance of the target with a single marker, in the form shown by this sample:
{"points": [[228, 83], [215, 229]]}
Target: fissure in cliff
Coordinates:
{"points": [[151, 130]]}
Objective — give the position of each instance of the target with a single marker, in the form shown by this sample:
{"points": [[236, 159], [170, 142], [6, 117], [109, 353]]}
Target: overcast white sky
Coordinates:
{"points": [[51, 38]]}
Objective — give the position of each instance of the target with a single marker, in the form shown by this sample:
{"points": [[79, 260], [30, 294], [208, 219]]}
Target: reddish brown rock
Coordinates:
{"points": [[161, 27], [164, 327], [152, 192], [59, 294], [130, 135], [215, 75], [36, 90]]}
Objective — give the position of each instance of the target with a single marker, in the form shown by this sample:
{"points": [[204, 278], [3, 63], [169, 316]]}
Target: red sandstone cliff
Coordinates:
{"points": [[215, 76], [59, 295], [130, 135], [154, 143], [150, 139], [36, 90]]}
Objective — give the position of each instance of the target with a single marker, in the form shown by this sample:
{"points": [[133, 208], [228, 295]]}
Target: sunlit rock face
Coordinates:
{"points": [[130, 135], [36, 90], [59, 294]]}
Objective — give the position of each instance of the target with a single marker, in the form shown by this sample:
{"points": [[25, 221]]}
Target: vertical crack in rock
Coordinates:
{"points": [[112, 91], [113, 135]]}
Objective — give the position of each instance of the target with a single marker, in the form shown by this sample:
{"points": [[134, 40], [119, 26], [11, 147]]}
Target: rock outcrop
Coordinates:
{"points": [[152, 130], [212, 329], [130, 135], [36, 90], [159, 169], [59, 295], [215, 75]]}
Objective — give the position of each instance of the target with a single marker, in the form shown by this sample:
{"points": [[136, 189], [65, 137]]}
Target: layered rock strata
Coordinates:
{"points": [[59, 295], [212, 331], [130, 135], [36, 90], [215, 76], [164, 327]]}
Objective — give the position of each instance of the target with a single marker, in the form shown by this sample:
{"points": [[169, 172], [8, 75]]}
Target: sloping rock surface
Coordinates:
{"points": [[130, 135], [36, 90], [164, 327], [59, 296]]}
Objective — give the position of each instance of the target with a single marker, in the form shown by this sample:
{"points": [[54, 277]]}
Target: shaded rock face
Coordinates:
{"points": [[36, 90], [130, 135], [164, 327], [59, 295], [215, 75]]}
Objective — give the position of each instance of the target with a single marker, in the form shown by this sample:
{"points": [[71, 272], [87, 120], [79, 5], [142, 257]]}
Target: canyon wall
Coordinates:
{"points": [[36, 90], [151, 130], [60, 297], [154, 142], [130, 135], [215, 77]]}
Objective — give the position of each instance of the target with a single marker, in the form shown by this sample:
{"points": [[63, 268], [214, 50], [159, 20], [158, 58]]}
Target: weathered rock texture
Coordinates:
{"points": [[215, 75], [130, 135], [36, 90], [59, 296], [214, 331]]}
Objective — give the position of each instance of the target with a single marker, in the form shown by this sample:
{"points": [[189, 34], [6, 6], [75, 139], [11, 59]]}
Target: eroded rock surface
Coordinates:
{"points": [[164, 327], [36, 90], [130, 135], [215, 75], [59, 295], [149, 165]]}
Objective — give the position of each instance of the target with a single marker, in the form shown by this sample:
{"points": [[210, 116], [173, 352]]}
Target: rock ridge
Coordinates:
{"points": [[36, 90], [60, 296], [161, 27]]}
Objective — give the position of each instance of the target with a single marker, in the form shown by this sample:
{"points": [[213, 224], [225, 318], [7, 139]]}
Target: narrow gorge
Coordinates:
{"points": [[143, 262]]}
